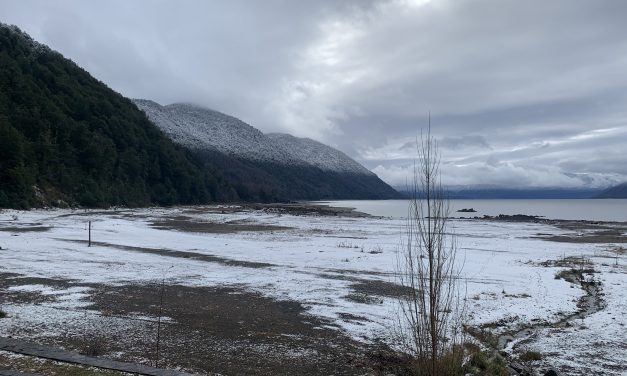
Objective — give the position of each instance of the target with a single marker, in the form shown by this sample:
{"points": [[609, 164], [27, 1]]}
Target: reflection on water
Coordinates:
{"points": [[582, 209]]}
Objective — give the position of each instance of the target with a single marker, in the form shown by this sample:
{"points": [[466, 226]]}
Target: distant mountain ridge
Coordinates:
{"points": [[618, 191], [488, 193], [266, 166]]}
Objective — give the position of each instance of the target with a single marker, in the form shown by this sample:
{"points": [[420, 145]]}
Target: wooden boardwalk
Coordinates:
{"points": [[15, 373], [39, 351]]}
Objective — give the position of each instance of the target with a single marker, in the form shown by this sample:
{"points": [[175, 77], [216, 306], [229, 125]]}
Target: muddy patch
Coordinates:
{"points": [[368, 291], [205, 330], [308, 209], [380, 288], [588, 232], [579, 231], [15, 280], [188, 224], [230, 331], [88, 212], [33, 227], [17, 289], [594, 236], [180, 254]]}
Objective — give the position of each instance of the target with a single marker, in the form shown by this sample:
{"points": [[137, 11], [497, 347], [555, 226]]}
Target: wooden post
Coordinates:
{"points": [[159, 320], [89, 242]]}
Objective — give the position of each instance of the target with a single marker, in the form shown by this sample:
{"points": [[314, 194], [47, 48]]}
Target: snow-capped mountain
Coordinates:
{"points": [[200, 129], [265, 167]]}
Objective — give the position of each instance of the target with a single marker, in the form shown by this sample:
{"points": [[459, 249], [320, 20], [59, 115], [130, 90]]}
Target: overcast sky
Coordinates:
{"points": [[521, 93]]}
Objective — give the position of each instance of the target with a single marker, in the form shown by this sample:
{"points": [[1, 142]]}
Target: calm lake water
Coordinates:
{"points": [[593, 210]]}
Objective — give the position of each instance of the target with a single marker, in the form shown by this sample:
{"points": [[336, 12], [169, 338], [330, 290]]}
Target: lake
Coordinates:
{"points": [[577, 209]]}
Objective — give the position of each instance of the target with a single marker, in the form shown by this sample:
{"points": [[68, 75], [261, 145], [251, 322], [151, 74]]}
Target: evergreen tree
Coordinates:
{"points": [[76, 140]]}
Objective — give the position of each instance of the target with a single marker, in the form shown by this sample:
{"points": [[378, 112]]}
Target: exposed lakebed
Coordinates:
{"points": [[259, 287]]}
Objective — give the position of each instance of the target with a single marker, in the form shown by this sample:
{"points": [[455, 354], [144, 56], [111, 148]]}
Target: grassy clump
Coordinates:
{"points": [[481, 363], [450, 363], [2, 314], [461, 360]]}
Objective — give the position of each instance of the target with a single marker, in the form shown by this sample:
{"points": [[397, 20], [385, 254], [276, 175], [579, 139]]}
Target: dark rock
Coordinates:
{"points": [[512, 372], [471, 210], [551, 372], [517, 366], [519, 369]]}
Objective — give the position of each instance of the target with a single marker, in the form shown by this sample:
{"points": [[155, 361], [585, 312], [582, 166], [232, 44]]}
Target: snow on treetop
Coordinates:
{"points": [[201, 129], [35, 46], [318, 154]]}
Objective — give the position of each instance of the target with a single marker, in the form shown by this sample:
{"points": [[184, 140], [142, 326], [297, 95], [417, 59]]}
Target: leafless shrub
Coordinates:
{"points": [[159, 317], [376, 250], [430, 317], [346, 244]]}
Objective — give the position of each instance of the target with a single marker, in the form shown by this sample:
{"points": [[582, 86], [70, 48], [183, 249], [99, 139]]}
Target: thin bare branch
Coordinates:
{"points": [[430, 317]]}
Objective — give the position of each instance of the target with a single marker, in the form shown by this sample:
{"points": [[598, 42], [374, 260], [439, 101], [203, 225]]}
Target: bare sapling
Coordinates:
{"points": [[161, 300], [430, 314], [161, 294]]}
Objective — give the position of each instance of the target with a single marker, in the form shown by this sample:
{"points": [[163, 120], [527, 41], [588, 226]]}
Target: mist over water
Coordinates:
{"points": [[574, 209]]}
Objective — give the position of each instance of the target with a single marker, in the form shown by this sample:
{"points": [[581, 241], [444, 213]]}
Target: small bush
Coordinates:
{"points": [[481, 363], [486, 337], [2, 314], [497, 366], [479, 360], [450, 363], [530, 356], [471, 348]]}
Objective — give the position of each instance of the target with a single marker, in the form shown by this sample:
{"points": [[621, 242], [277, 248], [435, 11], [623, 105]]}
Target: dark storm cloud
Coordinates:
{"points": [[524, 93]]}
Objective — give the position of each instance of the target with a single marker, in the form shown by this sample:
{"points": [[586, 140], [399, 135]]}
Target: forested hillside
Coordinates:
{"points": [[66, 138]]}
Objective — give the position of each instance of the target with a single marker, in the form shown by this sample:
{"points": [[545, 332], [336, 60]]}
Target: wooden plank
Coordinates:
{"points": [[39, 351]]}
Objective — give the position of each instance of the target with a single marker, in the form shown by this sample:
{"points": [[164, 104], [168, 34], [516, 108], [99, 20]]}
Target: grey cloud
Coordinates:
{"points": [[463, 142], [515, 88], [447, 142]]}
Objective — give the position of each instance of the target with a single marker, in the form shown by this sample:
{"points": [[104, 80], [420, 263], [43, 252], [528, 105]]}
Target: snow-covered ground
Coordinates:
{"points": [[319, 261]]}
